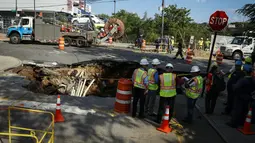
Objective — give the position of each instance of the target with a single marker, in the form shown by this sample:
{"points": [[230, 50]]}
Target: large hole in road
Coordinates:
{"points": [[77, 78], [96, 77]]}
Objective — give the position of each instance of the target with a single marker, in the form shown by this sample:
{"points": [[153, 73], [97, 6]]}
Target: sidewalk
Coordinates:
{"points": [[3, 37], [7, 62], [217, 121]]}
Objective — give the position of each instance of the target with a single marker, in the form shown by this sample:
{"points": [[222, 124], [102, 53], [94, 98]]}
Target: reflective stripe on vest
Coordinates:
{"points": [[167, 85], [139, 76], [194, 91], [152, 85]]}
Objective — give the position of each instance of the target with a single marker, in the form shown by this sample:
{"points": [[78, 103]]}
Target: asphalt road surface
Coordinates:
{"points": [[98, 128], [73, 55]]}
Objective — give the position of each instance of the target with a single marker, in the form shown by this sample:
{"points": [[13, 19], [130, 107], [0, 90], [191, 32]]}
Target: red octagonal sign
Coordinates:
{"points": [[218, 20]]}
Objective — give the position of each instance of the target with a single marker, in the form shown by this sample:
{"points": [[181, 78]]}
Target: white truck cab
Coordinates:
{"points": [[239, 47]]}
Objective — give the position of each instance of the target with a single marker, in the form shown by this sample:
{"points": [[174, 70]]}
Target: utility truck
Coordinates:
{"points": [[240, 46], [35, 29]]}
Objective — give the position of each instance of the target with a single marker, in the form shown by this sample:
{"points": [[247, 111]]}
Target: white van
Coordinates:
{"points": [[85, 18]]}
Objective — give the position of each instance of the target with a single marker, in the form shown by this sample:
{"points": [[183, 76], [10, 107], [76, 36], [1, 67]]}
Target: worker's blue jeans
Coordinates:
{"points": [[150, 101], [191, 105]]}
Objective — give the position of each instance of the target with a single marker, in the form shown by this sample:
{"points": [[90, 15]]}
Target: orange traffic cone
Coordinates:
{"points": [[58, 115], [247, 124], [165, 122]]}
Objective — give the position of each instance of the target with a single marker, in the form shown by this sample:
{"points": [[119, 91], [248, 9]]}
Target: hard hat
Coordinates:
{"points": [[195, 69], [248, 60], [172, 37], [238, 63], [155, 62], [207, 39], [144, 62], [202, 38], [169, 65]]}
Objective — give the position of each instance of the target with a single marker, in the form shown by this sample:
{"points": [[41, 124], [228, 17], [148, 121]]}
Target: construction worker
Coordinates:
{"points": [[179, 52], [200, 43], [171, 48], [152, 87], [244, 91], [140, 80], [207, 44], [193, 89], [167, 91], [215, 84], [233, 78]]}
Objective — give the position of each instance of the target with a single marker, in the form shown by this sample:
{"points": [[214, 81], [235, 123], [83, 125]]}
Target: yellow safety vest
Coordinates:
{"points": [[167, 85], [172, 42], [195, 91], [152, 84], [200, 43], [207, 43], [139, 76]]}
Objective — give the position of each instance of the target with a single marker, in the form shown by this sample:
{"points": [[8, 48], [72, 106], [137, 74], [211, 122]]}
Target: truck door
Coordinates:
{"points": [[26, 26], [248, 46]]}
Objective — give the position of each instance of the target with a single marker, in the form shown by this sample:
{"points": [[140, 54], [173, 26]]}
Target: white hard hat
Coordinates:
{"points": [[155, 62], [207, 39], [144, 62], [169, 65], [201, 38], [195, 69], [172, 37]]}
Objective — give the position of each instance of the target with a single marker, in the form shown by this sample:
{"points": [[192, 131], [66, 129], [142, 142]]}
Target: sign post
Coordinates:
{"points": [[218, 21]]}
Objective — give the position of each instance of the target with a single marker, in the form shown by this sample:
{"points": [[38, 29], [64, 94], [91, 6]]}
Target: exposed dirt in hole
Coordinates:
{"points": [[104, 75]]}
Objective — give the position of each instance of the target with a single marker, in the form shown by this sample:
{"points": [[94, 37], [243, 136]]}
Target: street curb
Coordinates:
{"points": [[212, 124]]}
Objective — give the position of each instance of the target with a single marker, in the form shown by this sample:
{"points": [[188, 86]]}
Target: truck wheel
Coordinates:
{"points": [[80, 42], [237, 54], [15, 38], [68, 41]]}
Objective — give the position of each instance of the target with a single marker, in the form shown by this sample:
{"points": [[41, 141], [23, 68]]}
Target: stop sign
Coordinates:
{"points": [[218, 20]]}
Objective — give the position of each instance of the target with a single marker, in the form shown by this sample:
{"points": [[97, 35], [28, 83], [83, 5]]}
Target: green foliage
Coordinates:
{"points": [[248, 10], [177, 23], [103, 16]]}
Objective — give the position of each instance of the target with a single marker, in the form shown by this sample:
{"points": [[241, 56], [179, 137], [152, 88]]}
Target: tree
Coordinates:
{"points": [[248, 10]]}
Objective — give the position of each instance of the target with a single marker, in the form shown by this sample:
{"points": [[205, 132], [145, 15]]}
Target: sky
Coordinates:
{"points": [[200, 9]]}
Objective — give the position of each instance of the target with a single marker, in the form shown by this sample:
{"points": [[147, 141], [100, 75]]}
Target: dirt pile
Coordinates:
{"points": [[88, 78]]}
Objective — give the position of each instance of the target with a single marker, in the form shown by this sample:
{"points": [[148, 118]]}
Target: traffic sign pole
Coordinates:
{"points": [[210, 58], [218, 21]]}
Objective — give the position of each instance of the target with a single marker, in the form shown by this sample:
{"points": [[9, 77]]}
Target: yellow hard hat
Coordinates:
{"points": [[248, 60]]}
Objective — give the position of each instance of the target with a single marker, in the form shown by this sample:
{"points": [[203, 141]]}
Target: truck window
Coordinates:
{"points": [[248, 42], [238, 41], [25, 22]]}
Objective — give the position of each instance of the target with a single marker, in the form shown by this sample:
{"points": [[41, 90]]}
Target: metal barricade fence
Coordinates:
{"points": [[33, 133]]}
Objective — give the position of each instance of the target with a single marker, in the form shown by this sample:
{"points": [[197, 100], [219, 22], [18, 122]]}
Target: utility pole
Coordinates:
{"points": [[114, 7], [162, 26], [34, 9], [16, 7], [85, 3]]}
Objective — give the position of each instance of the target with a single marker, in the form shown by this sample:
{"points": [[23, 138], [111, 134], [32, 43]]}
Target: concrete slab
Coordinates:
{"points": [[8, 62]]}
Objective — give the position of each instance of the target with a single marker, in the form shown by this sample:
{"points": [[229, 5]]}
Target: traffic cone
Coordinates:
{"points": [[58, 115], [247, 124], [165, 122]]}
